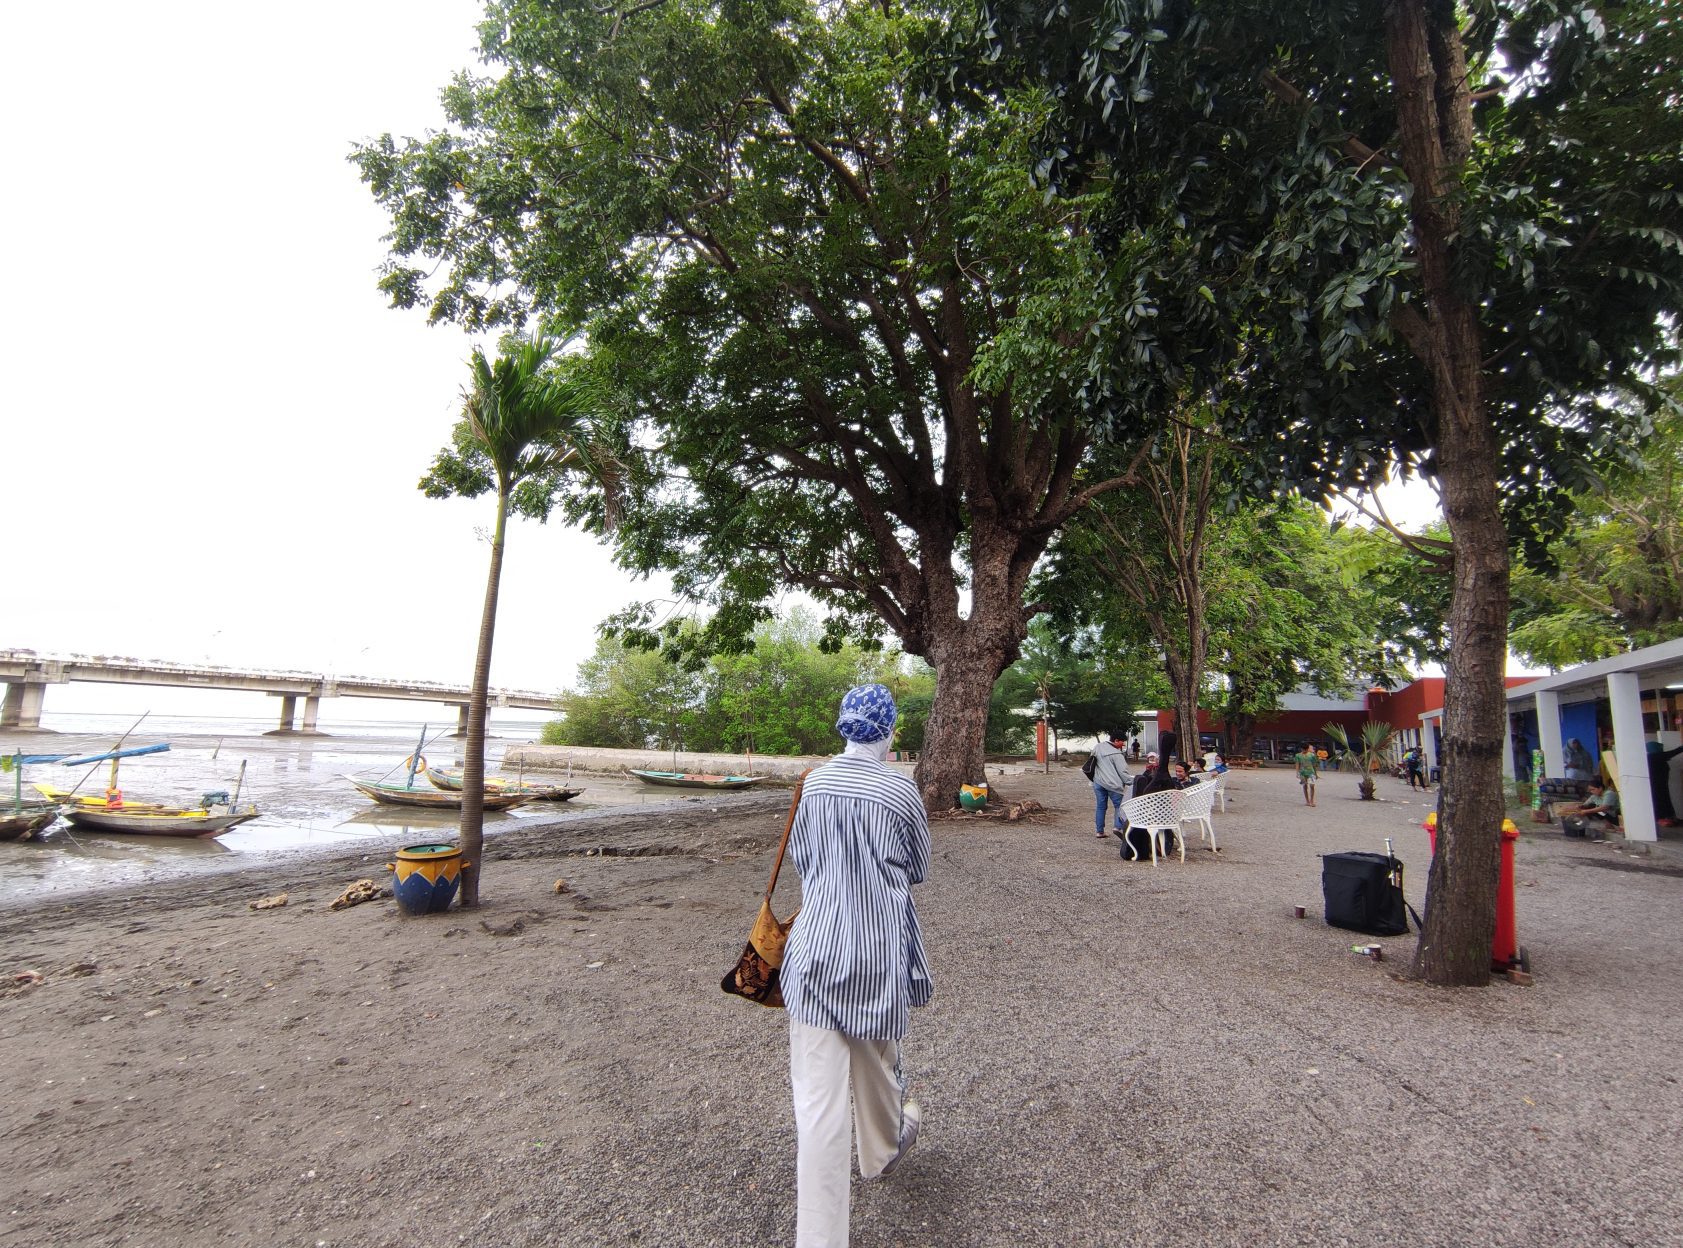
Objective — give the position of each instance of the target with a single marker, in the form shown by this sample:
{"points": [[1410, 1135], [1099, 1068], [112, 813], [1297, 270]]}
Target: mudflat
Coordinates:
{"points": [[1116, 1053]]}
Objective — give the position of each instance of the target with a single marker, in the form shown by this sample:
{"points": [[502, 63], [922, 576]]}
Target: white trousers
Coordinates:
{"points": [[823, 1065]]}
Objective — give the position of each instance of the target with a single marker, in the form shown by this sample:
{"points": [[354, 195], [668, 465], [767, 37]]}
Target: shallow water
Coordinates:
{"points": [[297, 783]]}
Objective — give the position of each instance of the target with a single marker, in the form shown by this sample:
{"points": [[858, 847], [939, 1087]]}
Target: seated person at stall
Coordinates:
{"points": [[1595, 815]]}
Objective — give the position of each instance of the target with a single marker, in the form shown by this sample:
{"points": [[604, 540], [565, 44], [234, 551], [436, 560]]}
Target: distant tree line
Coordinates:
{"points": [[780, 696]]}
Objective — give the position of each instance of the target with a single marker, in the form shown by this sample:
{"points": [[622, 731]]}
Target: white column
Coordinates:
{"points": [[1508, 746], [1636, 801], [1428, 740], [1548, 733]]}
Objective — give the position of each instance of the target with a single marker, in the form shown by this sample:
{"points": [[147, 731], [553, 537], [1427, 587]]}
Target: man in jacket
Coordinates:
{"points": [[1111, 780]]}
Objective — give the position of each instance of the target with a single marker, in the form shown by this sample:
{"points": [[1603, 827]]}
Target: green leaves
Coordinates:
{"points": [[532, 420], [1253, 181]]}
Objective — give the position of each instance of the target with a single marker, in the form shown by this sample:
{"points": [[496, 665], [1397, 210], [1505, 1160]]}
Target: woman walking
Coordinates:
{"points": [[853, 967]]}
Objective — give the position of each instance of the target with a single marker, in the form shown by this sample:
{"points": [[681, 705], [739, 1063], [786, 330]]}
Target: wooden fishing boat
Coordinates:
{"points": [[451, 782], [21, 821], [204, 821], [431, 799], [693, 780]]}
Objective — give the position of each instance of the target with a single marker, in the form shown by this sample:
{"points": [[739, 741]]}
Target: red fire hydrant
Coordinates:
{"points": [[1506, 953]]}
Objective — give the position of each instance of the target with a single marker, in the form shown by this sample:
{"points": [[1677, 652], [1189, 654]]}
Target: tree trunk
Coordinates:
{"points": [[968, 654], [953, 752], [1186, 672], [472, 825], [1434, 115], [1240, 733]]}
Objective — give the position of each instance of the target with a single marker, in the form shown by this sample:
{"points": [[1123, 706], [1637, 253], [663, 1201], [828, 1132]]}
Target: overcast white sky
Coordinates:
{"points": [[213, 423]]}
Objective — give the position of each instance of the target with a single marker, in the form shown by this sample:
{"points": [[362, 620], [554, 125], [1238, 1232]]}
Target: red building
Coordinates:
{"points": [[1415, 711]]}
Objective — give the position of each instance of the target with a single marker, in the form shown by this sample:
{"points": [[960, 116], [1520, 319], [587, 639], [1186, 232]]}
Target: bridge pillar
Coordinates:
{"points": [[461, 719], [312, 705], [22, 707], [289, 707]]}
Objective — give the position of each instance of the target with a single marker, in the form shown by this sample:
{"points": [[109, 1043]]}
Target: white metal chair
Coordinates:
{"points": [[1156, 814], [1195, 806]]}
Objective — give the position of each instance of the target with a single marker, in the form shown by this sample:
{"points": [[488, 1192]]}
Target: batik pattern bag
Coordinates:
{"points": [[755, 974]]}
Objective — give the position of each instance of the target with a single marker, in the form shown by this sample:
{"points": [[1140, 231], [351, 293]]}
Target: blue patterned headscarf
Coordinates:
{"points": [[867, 714]]}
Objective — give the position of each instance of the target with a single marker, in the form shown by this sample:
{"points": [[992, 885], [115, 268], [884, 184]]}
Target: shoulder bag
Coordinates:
{"points": [[755, 974]]}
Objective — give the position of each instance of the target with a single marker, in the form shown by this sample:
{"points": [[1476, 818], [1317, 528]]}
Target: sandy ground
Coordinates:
{"points": [[1116, 1054]]}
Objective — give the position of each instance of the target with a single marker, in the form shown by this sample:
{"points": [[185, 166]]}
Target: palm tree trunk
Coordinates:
{"points": [[473, 765]]}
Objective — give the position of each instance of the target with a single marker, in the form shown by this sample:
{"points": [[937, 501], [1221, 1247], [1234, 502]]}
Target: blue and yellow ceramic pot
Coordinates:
{"points": [[426, 877]]}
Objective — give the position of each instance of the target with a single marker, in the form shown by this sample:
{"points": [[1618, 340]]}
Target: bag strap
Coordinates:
{"points": [[788, 826], [1397, 872]]}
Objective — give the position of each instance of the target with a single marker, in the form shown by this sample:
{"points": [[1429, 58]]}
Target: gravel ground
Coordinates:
{"points": [[1116, 1054]]}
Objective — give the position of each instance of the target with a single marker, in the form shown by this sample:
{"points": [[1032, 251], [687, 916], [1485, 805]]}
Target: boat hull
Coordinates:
{"points": [[694, 780], [431, 799], [25, 824], [451, 782], [189, 823]]}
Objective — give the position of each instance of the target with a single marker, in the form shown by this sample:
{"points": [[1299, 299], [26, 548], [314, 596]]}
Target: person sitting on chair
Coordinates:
{"points": [[1594, 815]]}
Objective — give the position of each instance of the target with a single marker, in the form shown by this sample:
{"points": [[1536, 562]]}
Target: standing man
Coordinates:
{"points": [[853, 966], [1308, 771], [1111, 780]]}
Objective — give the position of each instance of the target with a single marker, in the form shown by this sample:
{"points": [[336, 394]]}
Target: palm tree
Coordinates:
{"points": [[528, 424], [1370, 756]]}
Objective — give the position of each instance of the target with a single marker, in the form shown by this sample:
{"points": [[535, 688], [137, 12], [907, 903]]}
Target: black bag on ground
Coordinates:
{"points": [[1136, 845], [1362, 895]]}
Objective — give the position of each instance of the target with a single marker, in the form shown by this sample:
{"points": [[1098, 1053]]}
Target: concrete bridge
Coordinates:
{"points": [[27, 674]]}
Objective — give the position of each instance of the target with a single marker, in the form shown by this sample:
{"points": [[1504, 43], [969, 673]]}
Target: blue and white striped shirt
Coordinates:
{"points": [[854, 962]]}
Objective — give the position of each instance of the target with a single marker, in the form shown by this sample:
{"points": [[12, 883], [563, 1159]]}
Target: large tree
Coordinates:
{"points": [[1416, 233], [1145, 550], [791, 244], [529, 423]]}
